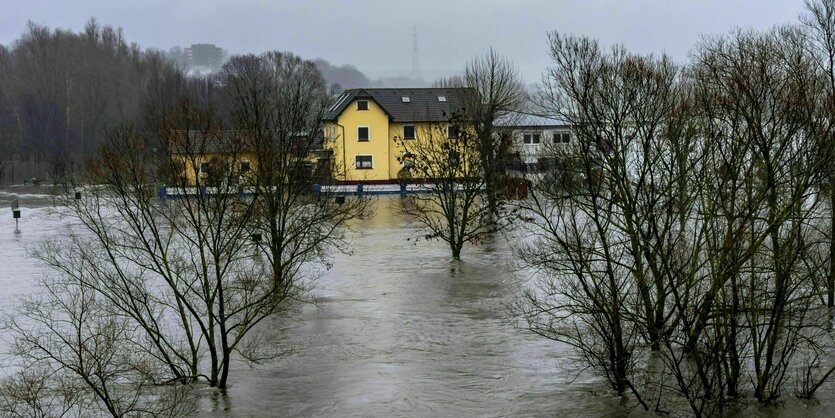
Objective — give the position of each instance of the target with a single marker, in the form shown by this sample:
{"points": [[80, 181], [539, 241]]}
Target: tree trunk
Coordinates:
{"points": [[224, 373], [213, 377], [274, 248], [456, 249]]}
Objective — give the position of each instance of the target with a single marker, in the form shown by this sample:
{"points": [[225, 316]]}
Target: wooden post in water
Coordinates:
{"points": [[16, 214]]}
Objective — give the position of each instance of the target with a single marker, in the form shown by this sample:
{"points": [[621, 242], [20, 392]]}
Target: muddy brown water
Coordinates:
{"points": [[402, 330]]}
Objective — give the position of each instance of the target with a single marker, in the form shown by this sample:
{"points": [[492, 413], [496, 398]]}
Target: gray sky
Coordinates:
{"points": [[376, 36]]}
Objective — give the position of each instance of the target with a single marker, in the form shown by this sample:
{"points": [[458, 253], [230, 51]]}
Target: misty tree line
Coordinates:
{"points": [[60, 91], [684, 246]]}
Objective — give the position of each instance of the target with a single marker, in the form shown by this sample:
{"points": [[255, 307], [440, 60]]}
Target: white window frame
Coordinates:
{"points": [[367, 107], [414, 132], [559, 134], [531, 135], [363, 168], [369, 134]]}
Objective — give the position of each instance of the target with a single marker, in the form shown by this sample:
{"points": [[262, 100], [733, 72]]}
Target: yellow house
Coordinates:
{"points": [[204, 157], [362, 126]]}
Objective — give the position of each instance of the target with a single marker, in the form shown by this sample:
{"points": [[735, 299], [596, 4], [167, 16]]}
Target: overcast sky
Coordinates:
{"points": [[376, 36]]}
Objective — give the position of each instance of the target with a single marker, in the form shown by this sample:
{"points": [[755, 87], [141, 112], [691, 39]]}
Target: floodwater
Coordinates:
{"points": [[406, 331], [403, 330], [39, 221]]}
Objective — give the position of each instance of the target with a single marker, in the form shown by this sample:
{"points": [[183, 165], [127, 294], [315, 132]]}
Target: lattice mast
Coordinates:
{"points": [[415, 62]]}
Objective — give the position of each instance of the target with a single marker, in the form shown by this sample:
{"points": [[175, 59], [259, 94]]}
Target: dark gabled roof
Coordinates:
{"points": [[423, 105]]}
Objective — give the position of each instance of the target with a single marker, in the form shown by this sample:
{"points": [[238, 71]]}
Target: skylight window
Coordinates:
{"points": [[441, 98], [405, 99]]}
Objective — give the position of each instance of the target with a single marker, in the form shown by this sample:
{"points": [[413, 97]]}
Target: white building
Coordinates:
{"points": [[535, 139]]}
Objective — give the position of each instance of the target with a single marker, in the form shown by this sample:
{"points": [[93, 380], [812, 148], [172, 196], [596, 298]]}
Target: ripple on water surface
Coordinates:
{"points": [[405, 331]]}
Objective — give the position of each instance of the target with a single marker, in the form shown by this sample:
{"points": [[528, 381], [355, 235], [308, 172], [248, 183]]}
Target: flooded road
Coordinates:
{"points": [[402, 330]]}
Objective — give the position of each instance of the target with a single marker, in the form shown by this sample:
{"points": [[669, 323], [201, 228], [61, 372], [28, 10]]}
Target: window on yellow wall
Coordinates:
{"points": [[408, 131], [362, 104], [363, 133], [363, 162], [452, 132]]}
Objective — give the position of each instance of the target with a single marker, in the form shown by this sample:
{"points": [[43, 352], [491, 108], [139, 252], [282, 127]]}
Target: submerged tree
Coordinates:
{"points": [[79, 355], [184, 279], [494, 92], [694, 236], [278, 100], [491, 94], [181, 272], [598, 243], [453, 206]]}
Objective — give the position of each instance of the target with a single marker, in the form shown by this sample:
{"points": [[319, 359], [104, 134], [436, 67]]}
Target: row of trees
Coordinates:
{"points": [[149, 297], [60, 91], [687, 255]]}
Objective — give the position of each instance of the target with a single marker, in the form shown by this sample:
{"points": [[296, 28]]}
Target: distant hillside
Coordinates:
{"points": [[349, 77]]}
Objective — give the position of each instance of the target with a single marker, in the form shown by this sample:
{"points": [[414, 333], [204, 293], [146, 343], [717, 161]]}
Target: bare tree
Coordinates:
{"points": [[620, 107], [77, 355], [278, 100], [190, 279], [454, 208], [491, 93], [601, 245], [183, 273], [695, 230]]}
